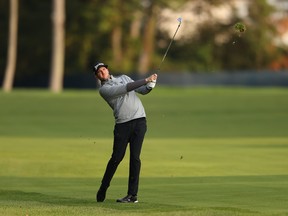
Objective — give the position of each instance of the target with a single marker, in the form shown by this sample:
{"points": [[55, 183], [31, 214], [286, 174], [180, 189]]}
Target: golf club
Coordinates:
{"points": [[180, 21]]}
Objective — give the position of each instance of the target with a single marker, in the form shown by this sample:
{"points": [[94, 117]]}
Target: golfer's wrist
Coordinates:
{"points": [[136, 84], [149, 79]]}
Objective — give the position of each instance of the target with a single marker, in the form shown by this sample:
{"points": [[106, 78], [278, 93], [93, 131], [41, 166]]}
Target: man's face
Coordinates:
{"points": [[103, 74]]}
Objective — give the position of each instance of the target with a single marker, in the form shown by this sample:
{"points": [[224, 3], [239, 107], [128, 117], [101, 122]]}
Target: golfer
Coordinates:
{"points": [[130, 125]]}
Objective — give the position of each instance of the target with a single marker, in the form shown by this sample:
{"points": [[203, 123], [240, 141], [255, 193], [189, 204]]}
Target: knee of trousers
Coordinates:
{"points": [[135, 159], [116, 161]]}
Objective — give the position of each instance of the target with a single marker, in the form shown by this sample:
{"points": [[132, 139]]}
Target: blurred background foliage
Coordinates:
{"points": [[132, 36]]}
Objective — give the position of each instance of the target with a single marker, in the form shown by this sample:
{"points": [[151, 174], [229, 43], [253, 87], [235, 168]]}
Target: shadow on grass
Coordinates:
{"points": [[14, 195], [20, 196]]}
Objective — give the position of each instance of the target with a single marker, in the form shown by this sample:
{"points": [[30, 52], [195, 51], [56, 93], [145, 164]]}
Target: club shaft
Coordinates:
{"points": [[169, 47]]}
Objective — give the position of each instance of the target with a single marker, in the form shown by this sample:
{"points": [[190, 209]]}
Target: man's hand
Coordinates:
{"points": [[151, 78], [151, 81], [151, 84]]}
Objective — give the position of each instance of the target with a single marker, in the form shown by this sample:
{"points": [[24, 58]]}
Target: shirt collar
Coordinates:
{"points": [[108, 80]]}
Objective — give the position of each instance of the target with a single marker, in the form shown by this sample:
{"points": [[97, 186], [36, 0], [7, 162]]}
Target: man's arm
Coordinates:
{"points": [[136, 84], [109, 91]]}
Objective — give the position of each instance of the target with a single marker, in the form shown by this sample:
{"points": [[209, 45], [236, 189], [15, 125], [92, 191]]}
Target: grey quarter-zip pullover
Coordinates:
{"points": [[124, 101]]}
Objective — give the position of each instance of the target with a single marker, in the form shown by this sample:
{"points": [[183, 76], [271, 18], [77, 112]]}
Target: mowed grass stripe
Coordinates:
{"points": [[260, 195], [171, 112], [61, 157]]}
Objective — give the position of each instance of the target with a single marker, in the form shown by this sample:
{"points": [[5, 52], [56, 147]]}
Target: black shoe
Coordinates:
{"points": [[128, 199], [101, 194]]}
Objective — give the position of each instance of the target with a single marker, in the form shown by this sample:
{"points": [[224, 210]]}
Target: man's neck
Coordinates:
{"points": [[103, 81]]}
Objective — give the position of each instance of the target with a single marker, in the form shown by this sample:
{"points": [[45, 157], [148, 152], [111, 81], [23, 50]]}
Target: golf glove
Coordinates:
{"points": [[151, 84]]}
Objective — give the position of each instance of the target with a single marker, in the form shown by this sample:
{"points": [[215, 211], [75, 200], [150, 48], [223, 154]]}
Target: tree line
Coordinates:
{"points": [[56, 37]]}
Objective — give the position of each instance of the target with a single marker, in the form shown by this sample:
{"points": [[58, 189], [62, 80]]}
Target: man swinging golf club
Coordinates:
{"points": [[130, 125]]}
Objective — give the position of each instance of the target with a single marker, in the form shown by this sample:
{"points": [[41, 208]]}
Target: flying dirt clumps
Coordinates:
{"points": [[240, 27]]}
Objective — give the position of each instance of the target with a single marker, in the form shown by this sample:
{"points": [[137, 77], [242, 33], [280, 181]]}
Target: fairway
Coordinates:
{"points": [[208, 151]]}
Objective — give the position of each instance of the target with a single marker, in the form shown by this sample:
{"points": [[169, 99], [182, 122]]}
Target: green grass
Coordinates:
{"points": [[208, 151]]}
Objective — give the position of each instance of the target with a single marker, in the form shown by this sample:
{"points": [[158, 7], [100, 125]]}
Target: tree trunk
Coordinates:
{"points": [[116, 37], [116, 46], [148, 42], [136, 25], [58, 46], [12, 47]]}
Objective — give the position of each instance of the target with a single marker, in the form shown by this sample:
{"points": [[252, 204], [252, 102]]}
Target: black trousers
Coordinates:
{"points": [[131, 132]]}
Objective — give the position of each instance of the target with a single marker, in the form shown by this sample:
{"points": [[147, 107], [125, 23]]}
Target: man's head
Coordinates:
{"points": [[97, 66], [101, 71]]}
